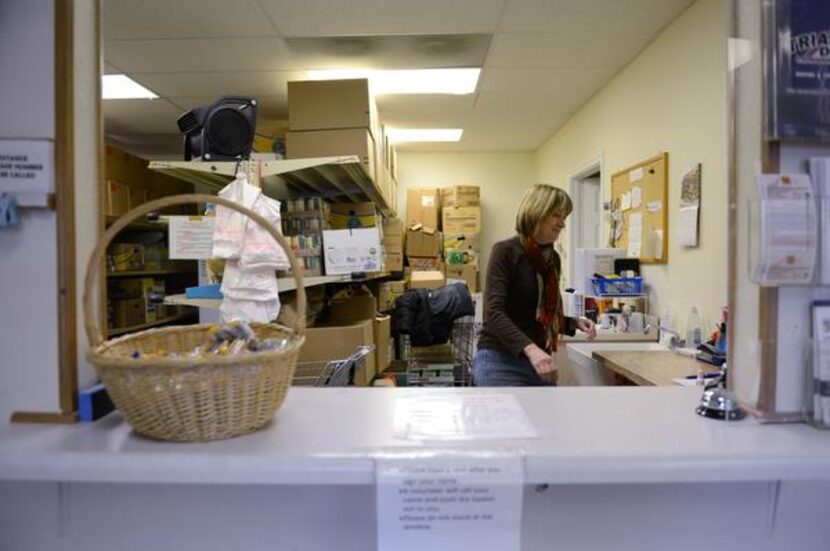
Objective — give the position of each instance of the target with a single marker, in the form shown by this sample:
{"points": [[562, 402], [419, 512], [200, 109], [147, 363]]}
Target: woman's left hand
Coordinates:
{"points": [[586, 325]]}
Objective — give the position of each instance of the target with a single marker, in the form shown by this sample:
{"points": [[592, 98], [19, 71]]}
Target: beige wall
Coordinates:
{"points": [[503, 177], [670, 98]]}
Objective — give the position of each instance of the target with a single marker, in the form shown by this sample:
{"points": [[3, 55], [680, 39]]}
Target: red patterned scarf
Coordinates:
{"points": [[549, 309]]}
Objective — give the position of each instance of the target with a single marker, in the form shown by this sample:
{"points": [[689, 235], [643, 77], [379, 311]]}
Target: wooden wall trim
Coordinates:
{"points": [[732, 197], [65, 202]]}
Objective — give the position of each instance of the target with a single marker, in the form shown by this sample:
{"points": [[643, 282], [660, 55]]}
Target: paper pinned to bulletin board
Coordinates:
{"points": [[689, 216], [639, 196]]}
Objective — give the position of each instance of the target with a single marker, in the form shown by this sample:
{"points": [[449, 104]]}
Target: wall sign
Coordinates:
{"points": [[27, 170]]}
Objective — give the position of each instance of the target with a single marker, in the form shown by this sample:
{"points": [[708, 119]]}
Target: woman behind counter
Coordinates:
{"points": [[523, 314]]}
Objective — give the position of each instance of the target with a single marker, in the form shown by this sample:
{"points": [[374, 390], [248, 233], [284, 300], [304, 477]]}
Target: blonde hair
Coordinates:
{"points": [[539, 202]]}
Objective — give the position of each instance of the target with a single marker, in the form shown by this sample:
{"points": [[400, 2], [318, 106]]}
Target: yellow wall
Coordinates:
{"points": [[503, 177], [672, 98]]}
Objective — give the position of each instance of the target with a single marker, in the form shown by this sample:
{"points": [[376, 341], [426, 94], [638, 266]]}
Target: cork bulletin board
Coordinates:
{"points": [[639, 210]]}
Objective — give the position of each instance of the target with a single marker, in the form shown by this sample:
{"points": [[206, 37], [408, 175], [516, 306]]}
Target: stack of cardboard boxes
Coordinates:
{"points": [[330, 118], [461, 224], [423, 237], [443, 235]]}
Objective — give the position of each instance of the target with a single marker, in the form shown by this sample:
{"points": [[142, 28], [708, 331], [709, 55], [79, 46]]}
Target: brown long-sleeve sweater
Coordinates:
{"points": [[511, 295]]}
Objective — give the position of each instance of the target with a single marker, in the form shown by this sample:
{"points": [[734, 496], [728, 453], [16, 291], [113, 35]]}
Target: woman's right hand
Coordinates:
{"points": [[542, 362]]}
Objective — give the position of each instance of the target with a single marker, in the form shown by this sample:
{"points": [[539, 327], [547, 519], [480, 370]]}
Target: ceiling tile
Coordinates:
{"points": [[516, 85], [356, 17], [141, 125], [138, 108], [425, 111], [143, 19], [565, 49], [390, 52], [214, 54], [253, 83], [589, 16], [269, 106]]}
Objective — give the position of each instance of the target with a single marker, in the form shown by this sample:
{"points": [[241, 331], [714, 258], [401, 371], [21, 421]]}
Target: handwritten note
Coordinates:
{"points": [[464, 503]]}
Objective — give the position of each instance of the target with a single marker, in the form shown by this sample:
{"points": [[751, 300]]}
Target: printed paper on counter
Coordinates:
{"points": [[462, 417], [191, 237], [464, 503]]}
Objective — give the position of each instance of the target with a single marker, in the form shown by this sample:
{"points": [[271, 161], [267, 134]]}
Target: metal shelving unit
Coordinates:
{"points": [[331, 177], [284, 284]]}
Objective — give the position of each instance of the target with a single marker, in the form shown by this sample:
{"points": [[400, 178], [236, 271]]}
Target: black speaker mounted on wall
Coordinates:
{"points": [[223, 131]]}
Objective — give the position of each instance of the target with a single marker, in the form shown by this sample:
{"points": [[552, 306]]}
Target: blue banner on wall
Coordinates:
{"points": [[798, 69]]}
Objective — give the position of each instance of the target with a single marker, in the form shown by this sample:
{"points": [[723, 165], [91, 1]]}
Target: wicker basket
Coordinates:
{"points": [[192, 399]]}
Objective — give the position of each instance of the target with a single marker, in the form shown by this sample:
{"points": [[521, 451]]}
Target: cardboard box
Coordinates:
{"points": [[423, 206], [123, 257], [383, 343], [128, 288], [348, 251], [127, 313], [333, 143], [467, 242], [392, 227], [393, 262], [425, 263], [117, 200], [465, 272], [426, 280], [423, 243], [460, 196], [337, 342], [352, 309], [321, 104], [388, 291], [138, 196], [353, 215], [457, 220], [393, 244], [115, 164]]}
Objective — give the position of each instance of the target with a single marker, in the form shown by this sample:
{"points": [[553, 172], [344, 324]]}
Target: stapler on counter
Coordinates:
{"points": [[710, 354]]}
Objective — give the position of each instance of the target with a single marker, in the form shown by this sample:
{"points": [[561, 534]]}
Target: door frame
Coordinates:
{"points": [[593, 165]]}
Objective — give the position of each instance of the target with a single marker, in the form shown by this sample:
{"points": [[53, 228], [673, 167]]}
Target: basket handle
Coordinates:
{"points": [[93, 331]]}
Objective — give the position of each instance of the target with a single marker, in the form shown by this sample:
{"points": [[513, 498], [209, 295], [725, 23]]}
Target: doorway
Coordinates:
{"points": [[585, 188]]}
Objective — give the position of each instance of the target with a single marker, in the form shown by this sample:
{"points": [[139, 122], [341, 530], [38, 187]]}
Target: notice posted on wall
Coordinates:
{"points": [[191, 237], [449, 502], [27, 171]]}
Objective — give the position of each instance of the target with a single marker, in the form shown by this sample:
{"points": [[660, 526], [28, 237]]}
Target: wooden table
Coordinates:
{"points": [[651, 368]]}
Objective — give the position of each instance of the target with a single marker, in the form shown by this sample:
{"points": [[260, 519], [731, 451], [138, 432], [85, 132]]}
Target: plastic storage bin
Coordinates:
{"points": [[621, 286]]}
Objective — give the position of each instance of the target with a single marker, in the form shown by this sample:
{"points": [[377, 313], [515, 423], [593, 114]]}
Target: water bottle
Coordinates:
{"points": [[693, 328]]}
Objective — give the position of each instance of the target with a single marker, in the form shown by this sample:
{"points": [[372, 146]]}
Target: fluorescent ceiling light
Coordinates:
{"points": [[414, 81], [123, 87], [400, 135]]}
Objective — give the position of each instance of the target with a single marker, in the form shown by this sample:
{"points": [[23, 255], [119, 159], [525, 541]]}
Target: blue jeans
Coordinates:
{"points": [[496, 368]]}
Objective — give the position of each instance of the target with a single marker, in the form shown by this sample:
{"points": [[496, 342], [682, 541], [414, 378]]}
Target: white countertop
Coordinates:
{"points": [[612, 336], [331, 436]]}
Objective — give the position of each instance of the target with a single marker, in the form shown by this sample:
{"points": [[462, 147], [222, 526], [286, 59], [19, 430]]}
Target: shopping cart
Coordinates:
{"points": [[449, 364], [333, 372]]}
